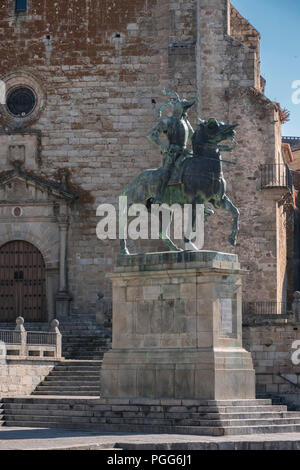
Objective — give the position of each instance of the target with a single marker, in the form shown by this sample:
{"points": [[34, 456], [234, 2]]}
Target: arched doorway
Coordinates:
{"points": [[22, 282]]}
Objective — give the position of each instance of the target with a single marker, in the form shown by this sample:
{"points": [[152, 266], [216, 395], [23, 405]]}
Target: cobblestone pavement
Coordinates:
{"points": [[51, 439]]}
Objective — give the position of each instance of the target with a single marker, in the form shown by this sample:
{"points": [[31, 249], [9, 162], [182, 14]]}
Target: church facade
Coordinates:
{"points": [[83, 83]]}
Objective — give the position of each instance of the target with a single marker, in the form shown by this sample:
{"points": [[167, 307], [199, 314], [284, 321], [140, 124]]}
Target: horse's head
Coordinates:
{"points": [[212, 133], [217, 131]]}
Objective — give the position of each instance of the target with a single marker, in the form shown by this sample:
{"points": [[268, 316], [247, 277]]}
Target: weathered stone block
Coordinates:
{"points": [[170, 353]]}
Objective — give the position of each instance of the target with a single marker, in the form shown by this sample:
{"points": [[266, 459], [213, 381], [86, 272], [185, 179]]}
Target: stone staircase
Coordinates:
{"points": [[199, 417], [2, 422], [83, 338], [72, 378]]}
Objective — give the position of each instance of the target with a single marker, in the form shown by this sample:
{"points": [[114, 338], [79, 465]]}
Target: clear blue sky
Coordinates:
{"points": [[279, 24]]}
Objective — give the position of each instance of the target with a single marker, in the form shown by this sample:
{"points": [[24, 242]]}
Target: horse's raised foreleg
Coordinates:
{"points": [[227, 204]]}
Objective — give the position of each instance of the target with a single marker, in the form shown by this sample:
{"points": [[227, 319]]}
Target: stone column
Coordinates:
{"points": [[63, 297], [63, 233]]}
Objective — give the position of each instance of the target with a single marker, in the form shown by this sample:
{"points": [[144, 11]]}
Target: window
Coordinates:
{"points": [[21, 5], [21, 101]]}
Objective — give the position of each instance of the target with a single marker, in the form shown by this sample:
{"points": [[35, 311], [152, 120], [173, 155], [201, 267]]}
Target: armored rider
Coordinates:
{"points": [[178, 131]]}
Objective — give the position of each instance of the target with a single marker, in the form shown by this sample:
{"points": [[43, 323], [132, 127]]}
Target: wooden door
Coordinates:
{"points": [[22, 282]]}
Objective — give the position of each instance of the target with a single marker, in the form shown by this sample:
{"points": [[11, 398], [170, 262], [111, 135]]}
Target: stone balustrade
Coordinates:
{"points": [[28, 344]]}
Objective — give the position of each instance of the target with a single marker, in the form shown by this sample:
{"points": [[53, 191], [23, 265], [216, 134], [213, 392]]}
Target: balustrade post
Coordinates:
{"points": [[23, 333], [58, 343]]}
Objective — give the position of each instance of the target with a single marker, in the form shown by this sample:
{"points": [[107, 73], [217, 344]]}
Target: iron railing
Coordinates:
{"points": [[276, 176], [38, 338], [10, 337], [266, 308], [284, 138]]}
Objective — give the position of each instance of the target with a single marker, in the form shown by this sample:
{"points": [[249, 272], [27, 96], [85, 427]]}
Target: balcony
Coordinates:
{"points": [[276, 176], [266, 308]]}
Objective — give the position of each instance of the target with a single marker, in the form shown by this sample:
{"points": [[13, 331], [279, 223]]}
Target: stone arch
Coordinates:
{"points": [[30, 238], [22, 233]]}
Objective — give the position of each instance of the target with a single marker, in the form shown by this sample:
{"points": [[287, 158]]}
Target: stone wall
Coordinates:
{"points": [[270, 343], [244, 32], [20, 377], [100, 67], [230, 90]]}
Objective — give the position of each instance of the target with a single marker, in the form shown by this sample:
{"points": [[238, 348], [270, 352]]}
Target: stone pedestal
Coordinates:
{"points": [[177, 329]]}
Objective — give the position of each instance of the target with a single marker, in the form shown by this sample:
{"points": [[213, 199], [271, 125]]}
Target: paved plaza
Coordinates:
{"points": [[61, 439]]}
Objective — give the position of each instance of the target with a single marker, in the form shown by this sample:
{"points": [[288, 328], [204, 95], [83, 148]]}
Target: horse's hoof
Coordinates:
{"points": [[175, 248], [124, 252], [190, 247], [208, 212]]}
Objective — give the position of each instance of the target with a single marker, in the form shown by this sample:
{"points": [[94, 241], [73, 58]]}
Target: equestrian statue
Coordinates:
{"points": [[186, 176]]}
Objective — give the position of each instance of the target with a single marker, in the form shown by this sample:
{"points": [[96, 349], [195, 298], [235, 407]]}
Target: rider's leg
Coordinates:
{"points": [[163, 182]]}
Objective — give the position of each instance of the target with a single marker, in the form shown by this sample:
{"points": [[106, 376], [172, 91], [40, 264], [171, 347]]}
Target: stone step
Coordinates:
{"points": [[66, 393], [81, 338], [78, 343], [79, 363], [92, 385], [244, 416], [70, 388], [98, 356], [89, 355], [254, 422], [120, 427], [103, 417], [47, 407], [104, 410], [82, 329], [48, 401], [236, 431], [71, 378], [202, 411], [76, 372], [249, 409], [200, 417], [86, 350], [92, 345], [117, 428], [14, 414], [61, 387]]}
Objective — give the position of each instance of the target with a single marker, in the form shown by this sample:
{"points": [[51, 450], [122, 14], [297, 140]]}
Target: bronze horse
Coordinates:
{"points": [[201, 178]]}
